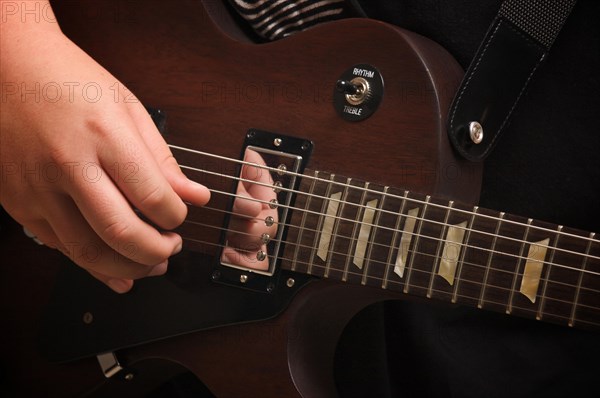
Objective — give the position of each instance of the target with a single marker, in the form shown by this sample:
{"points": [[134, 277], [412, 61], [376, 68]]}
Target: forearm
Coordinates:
{"points": [[24, 26], [20, 18]]}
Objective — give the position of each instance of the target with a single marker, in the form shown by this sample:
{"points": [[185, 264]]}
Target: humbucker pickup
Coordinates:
{"points": [[260, 209]]}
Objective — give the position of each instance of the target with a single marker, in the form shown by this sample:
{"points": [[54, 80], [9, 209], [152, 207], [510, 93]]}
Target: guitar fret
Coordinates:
{"points": [[588, 302], [338, 215], [364, 231], [581, 274], [393, 242], [449, 258], [340, 248], [319, 227], [562, 280], [514, 282], [489, 261], [301, 228], [401, 241], [532, 272], [306, 217], [327, 226], [445, 245], [371, 244], [438, 258], [405, 241], [415, 245], [540, 310], [463, 254], [354, 236]]}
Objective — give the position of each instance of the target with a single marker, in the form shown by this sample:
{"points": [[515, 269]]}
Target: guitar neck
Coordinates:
{"points": [[362, 233]]}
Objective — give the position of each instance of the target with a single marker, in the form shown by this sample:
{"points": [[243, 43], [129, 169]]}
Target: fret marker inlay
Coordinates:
{"points": [[332, 208], [364, 232], [451, 252], [407, 234], [533, 269]]}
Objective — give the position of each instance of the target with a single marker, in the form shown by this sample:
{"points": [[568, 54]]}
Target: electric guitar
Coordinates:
{"points": [[372, 203]]}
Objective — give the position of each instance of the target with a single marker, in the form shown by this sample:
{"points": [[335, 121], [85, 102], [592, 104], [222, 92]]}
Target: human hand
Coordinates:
{"points": [[77, 165]]}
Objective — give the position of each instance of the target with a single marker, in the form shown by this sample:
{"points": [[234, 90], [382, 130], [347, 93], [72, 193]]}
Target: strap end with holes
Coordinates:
{"points": [[516, 44]]}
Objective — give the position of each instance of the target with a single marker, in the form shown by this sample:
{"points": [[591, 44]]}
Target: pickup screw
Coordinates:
{"points": [[243, 278], [88, 318], [476, 132], [215, 276], [277, 142]]}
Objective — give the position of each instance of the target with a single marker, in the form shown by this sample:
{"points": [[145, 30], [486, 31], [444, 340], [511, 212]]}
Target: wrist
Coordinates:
{"points": [[21, 20]]}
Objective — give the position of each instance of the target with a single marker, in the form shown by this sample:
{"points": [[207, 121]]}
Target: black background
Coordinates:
{"points": [[546, 166]]}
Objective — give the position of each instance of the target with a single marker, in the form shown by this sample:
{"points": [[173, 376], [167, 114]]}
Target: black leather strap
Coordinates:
{"points": [[516, 44]]}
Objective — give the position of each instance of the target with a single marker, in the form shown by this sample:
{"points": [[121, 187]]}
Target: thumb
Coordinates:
{"points": [[188, 190]]}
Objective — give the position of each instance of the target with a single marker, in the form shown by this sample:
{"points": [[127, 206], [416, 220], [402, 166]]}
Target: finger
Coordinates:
{"points": [[118, 285], [133, 168], [87, 250], [41, 233], [188, 190], [115, 223]]}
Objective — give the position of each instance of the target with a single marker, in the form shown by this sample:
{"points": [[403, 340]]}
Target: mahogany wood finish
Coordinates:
{"points": [[213, 88]]}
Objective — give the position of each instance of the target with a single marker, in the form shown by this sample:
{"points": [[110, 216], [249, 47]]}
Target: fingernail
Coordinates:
{"points": [[177, 248], [118, 285], [201, 191], [159, 269]]}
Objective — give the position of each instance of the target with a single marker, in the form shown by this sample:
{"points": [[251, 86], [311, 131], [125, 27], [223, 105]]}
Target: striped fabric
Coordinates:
{"points": [[274, 19]]}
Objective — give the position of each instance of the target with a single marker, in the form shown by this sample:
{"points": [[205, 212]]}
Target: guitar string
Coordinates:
{"points": [[458, 279], [435, 290], [384, 264], [360, 206], [406, 198], [418, 218], [377, 226], [354, 240], [391, 247], [430, 274], [427, 273], [346, 185], [426, 236]]}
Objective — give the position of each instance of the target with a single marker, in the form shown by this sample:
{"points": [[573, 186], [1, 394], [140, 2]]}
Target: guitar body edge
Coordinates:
{"points": [[173, 57]]}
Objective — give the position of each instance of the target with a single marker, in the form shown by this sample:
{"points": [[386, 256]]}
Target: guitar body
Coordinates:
{"points": [[213, 85]]}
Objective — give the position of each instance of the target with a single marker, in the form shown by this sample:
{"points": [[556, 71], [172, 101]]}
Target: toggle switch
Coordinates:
{"points": [[358, 92]]}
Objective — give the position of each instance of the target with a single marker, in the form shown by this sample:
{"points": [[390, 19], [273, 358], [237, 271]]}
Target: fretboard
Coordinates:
{"points": [[383, 237]]}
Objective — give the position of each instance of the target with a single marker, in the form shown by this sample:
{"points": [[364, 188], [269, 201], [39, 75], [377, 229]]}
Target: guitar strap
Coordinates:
{"points": [[517, 42]]}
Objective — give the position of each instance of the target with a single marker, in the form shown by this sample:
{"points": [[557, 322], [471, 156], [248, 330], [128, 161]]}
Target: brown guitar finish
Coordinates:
{"points": [[213, 88]]}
